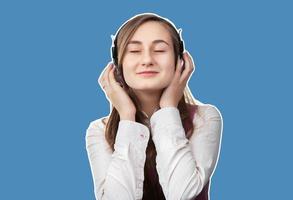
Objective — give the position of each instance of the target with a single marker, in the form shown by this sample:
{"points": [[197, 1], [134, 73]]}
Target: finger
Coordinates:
{"points": [[112, 79], [107, 75], [188, 68], [104, 80], [102, 75], [191, 62], [192, 65]]}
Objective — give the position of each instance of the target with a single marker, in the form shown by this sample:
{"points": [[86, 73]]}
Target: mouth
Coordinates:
{"points": [[148, 73]]}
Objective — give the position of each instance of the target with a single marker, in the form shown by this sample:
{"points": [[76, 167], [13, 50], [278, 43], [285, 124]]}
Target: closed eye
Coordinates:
{"points": [[139, 51]]}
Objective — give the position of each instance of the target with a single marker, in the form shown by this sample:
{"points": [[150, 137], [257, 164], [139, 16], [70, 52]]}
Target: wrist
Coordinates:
{"points": [[130, 117], [168, 105]]}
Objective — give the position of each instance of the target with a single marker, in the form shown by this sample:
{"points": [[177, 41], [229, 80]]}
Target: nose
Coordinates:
{"points": [[147, 58]]}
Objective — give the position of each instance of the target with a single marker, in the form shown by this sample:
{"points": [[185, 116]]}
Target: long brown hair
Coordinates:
{"points": [[152, 189]]}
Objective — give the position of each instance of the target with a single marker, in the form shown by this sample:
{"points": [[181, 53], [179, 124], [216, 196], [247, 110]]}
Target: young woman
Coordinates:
{"points": [[158, 141]]}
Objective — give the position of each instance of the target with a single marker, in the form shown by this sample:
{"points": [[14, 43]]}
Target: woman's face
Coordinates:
{"points": [[149, 49]]}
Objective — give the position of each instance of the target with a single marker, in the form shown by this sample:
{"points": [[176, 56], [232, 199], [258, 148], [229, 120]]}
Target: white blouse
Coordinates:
{"points": [[184, 166]]}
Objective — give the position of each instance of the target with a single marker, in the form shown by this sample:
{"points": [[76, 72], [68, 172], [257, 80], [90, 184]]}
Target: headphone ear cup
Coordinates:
{"points": [[114, 55]]}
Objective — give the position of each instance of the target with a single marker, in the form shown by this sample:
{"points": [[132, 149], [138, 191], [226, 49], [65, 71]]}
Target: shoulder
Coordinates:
{"points": [[209, 111], [208, 125], [97, 127], [99, 123], [204, 113], [95, 137]]}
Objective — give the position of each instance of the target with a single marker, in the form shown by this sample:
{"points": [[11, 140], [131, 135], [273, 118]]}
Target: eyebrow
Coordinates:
{"points": [[154, 42]]}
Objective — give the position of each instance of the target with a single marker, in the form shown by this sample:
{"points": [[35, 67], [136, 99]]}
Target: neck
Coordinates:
{"points": [[150, 101]]}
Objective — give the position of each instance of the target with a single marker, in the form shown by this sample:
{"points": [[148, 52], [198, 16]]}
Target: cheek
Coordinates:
{"points": [[167, 62], [169, 77], [168, 68], [128, 73]]}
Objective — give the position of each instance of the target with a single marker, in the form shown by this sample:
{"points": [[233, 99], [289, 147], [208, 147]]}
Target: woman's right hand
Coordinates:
{"points": [[116, 94]]}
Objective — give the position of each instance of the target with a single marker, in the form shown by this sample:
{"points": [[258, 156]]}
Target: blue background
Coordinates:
{"points": [[52, 53]]}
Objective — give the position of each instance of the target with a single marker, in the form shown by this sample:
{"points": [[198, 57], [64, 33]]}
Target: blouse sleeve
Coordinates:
{"points": [[118, 174], [184, 167]]}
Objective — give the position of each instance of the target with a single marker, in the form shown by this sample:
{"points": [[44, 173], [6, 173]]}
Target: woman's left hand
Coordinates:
{"points": [[174, 92]]}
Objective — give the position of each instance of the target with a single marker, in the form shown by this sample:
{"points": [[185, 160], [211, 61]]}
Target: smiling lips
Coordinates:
{"points": [[148, 73]]}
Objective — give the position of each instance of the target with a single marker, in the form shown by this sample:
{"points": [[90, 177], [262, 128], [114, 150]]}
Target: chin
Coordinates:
{"points": [[148, 84], [150, 87]]}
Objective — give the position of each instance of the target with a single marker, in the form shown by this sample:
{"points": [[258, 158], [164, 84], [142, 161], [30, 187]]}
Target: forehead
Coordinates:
{"points": [[151, 31]]}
